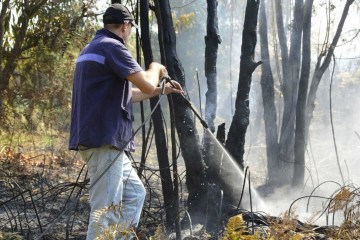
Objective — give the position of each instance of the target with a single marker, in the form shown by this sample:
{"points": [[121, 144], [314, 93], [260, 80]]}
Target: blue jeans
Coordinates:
{"points": [[117, 198]]}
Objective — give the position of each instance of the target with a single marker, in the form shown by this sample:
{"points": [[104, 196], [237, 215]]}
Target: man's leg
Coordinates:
{"points": [[133, 195], [104, 191]]}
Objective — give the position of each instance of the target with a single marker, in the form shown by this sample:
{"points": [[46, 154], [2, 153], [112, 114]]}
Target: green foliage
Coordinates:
{"points": [[236, 229], [184, 21], [38, 91]]}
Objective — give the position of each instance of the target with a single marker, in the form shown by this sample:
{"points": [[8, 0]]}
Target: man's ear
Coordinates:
{"points": [[123, 27]]}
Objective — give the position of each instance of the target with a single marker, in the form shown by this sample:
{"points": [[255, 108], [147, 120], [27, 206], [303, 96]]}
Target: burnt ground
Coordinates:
{"points": [[45, 196], [42, 194]]}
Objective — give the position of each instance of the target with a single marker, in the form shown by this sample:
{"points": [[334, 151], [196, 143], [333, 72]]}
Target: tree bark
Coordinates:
{"points": [[210, 152], [300, 141], [281, 34], [236, 136], [160, 138], [268, 97], [220, 134], [212, 40], [187, 134]]}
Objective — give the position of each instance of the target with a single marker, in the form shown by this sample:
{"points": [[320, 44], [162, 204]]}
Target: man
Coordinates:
{"points": [[101, 120]]}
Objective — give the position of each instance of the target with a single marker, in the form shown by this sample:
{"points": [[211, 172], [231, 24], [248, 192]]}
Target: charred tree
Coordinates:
{"points": [[212, 41], [289, 89], [220, 134], [210, 152], [300, 141], [236, 136], [268, 98], [281, 152], [160, 137], [187, 134]]}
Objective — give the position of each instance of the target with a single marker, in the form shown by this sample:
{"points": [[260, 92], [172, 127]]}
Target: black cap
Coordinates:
{"points": [[117, 13]]}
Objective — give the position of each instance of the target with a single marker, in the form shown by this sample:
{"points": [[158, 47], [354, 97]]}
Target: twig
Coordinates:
{"points": [[307, 205], [243, 187], [332, 123]]}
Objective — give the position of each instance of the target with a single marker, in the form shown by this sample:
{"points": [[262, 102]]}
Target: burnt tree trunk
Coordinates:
{"points": [[236, 136], [160, 137], [220, 134], [300, 141], [187, 134], [212, 40], [210, 152], [290, 89], [268, 98], [289, 81]]}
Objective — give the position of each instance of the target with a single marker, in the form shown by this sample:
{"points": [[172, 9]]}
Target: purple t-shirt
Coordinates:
{"points": [[101, 101]]}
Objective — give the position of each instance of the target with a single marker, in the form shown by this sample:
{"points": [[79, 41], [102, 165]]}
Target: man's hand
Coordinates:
{"points": [[158, 67], [173, 87]]}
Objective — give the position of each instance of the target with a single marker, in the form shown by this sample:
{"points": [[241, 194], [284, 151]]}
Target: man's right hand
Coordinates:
{"points": [[159, 67]]}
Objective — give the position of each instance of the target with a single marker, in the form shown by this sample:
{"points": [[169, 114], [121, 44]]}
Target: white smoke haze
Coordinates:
{"points": [[321, 158]]}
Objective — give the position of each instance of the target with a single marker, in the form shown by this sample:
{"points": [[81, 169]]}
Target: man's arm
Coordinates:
{"points": [[147, 83], [138, 95], [147, 80]]}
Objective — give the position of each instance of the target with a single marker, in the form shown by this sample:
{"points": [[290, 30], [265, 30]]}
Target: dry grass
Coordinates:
{"points": [[287, 226]]}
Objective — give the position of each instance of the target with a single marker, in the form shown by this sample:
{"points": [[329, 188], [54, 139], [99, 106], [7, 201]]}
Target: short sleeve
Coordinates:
{"points": [[121, 62]]}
